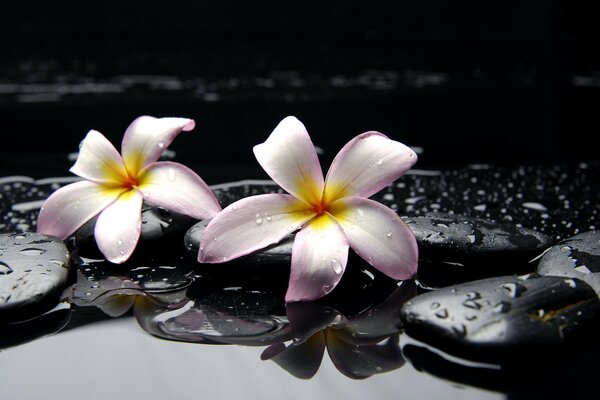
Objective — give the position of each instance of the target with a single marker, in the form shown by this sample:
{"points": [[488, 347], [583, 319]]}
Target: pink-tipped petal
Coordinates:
{"points": [[118, 227], [367, 164], [378, 235], [319, 258], [289, 157], [251, 224], [178, 188], [147, 137], [73, 205], [98, 160]]}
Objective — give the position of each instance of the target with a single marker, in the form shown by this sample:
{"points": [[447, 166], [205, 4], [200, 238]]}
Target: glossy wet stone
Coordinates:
{"points": [[575, 257], [459, 239], [162, 232], [280, 253], [499, 318], [34, 270]]}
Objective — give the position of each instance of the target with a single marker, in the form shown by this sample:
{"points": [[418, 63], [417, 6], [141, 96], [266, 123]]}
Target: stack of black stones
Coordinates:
{"points": [[509, 261]]}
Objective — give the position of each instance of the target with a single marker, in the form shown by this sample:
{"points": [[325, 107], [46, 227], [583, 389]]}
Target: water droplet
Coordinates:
{"points": [[380, 162], [258, 219], [502, 307], [5, 269], [171, 174], [234, 207], [473, 295], [443, 313], [471, 317], [161, 144], [57, 263], [472, 304], [460, 330], [435, 305], [541, 313], [360, 212], [30, 251], [388, 234], [570, 282], [336, 265], [471, 238], [88, 293], [514, 289]]}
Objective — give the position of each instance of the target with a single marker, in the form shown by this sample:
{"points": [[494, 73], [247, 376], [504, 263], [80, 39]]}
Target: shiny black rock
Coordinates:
{"points": [[34, 270], [498, 319], [460, 239], [162, 231], [575, 257]]}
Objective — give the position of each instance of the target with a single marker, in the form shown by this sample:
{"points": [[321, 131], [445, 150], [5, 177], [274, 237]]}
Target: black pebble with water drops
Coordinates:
{"points": [[503, 319], [34, 270]]}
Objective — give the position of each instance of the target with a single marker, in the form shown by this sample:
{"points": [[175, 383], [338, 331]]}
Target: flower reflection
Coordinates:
{"points": [[359, 346]]}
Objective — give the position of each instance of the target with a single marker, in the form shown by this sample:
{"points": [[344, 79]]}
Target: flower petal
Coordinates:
{"points": [[319, 259], [289, 157], [118, 227], [251, 224], [98, 160], [178, 188], [147, 137], [378, 235], [367, 164], [73, 205]]}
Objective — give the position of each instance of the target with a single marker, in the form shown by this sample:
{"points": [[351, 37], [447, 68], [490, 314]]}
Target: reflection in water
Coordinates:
{"points": [[359, 346]]}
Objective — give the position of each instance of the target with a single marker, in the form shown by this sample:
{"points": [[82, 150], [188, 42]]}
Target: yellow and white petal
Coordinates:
{"points": [[178, 188], [73, 205], [99, 161], [378, 235], [367, 164], [319, 258], [251, 224], [289, 157], [147, 137], [118, 227]]}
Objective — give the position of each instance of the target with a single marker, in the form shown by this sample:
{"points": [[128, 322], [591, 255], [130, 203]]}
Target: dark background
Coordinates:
{"points": [[469, 81]]}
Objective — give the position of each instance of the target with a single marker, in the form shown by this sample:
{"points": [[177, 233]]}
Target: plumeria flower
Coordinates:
{"points": [[115, 186], [330, 215]]}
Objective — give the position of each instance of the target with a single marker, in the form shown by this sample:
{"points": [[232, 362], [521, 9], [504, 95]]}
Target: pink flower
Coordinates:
{"points": [[115, 186], [330, 215]]}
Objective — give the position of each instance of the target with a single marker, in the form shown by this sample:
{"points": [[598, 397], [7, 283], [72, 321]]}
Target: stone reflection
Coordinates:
{"points": [[362, 339]]}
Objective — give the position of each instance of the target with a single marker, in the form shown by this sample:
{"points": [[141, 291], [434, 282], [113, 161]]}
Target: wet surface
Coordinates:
{"points": [[232, 317]]}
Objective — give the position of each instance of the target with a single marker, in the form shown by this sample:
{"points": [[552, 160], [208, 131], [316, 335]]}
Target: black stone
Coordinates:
{"points": [[277, 254], [466, 240], [575, 257], [162, 231], [34, 270], [497, 319]]}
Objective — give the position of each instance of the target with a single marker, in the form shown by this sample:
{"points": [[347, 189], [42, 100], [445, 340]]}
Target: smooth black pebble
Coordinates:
{"points": [[575, 257], [34, 270], [460, 239], [504, 318]]}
